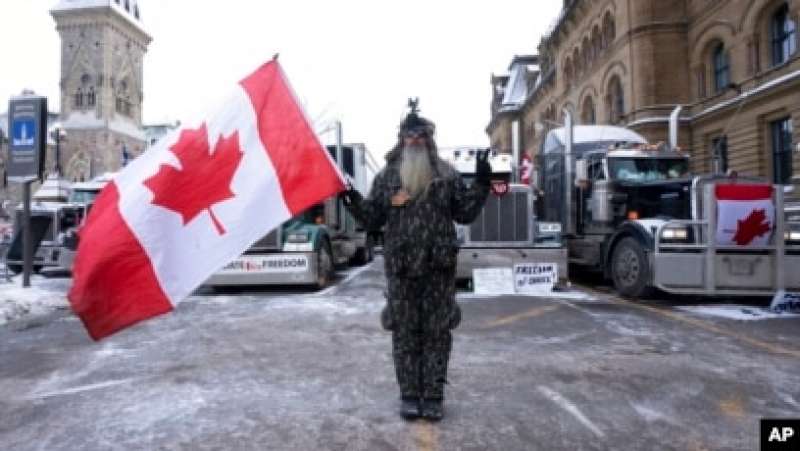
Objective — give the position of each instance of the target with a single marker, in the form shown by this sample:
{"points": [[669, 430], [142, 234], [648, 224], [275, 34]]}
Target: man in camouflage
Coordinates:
{"points": [[417, 196]]}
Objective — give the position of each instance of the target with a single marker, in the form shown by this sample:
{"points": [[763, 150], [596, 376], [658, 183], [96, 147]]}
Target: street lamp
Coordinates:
{"points": [[58, 133]]}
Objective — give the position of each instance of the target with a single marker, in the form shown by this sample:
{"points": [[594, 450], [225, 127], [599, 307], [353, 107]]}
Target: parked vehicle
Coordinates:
{"points": [[633, 211], [306, 249], [506, 232]]}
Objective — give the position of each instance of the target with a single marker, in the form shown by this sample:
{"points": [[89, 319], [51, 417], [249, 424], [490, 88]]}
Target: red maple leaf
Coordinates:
{"points": [[753, 226], [204, 177]]}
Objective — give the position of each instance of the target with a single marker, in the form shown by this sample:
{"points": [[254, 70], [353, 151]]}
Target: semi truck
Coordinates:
{"points": [[506, 232], [52, 216], [632, 211], [307, 249]]}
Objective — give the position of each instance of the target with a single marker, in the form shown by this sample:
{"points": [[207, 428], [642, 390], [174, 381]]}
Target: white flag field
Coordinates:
{"points": [[745, 214], [197, 200]]}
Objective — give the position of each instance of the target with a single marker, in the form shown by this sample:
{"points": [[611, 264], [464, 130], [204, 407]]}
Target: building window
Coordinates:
{"points": [[616, 101], [587, 114], [609, 29], [79, 98], [719, 154], [722, 68], [781, 150], [91, 99], [782, 31]]}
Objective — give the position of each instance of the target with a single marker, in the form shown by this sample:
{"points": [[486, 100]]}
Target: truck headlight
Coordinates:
{"points": [[298, 237], [792, 236], [549, 227], [675, 233]]}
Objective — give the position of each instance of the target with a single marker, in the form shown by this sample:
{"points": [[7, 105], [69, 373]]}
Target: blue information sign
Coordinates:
{"points": [[27, 125]]}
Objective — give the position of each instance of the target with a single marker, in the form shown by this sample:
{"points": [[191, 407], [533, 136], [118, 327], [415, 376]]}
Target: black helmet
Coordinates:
{"points": [[413, 122]]}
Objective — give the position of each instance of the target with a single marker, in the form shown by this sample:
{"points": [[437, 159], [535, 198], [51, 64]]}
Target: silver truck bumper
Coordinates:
{"points": [[264, 274], [733, 274], [472, 258]]}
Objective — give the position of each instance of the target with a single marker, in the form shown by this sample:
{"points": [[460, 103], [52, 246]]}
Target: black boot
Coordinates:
{"points": [[433, 409], [409, 408]]}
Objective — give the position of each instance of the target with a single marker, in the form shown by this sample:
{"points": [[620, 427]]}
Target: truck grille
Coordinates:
{"points": [[504, 219], [270, 241]]}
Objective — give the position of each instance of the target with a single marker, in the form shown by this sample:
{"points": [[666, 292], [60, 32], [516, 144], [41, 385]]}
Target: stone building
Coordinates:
{"points": [[103, 43], [733, 64]]}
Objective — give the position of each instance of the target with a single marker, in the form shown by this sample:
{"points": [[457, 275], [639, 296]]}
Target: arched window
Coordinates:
{"points": [[576, 59], [609, 29], [722, 68], [79, 98], [783, 35], [586, 52], [567, 72], [597, 41], [588, 116], [615, 101], [91, 99]]}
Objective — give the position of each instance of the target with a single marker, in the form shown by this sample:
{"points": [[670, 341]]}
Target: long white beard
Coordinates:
{"points": [[415, 170]]}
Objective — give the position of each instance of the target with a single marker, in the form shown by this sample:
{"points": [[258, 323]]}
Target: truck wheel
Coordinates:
{"points": [[364, 254], [324, 266], [630, 269]]}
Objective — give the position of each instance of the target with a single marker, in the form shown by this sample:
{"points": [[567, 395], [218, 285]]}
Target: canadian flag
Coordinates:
{"points": [[196, 201], [745, 214], [525, 169]]}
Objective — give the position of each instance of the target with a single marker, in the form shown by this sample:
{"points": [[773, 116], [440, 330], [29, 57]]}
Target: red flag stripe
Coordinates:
{"points": [[743, 192], [289, 139], [114, 285]]}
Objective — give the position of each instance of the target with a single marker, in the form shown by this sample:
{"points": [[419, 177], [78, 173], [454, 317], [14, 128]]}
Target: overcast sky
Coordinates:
{"points": [[357, 61]]}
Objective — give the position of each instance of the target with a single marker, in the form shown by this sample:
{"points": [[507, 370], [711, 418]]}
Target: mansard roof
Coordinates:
{"points": [[126, 8]]}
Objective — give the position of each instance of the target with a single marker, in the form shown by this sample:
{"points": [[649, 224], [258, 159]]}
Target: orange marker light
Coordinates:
{"points": [[633, 214]]}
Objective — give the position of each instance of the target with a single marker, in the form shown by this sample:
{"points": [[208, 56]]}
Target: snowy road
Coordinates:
{"points": [[299, 370]]}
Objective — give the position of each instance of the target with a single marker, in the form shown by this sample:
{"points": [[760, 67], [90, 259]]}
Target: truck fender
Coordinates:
{"points": [[626, 229]]}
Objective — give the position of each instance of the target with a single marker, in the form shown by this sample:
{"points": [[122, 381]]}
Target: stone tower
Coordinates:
{"points": [[103, 43]]}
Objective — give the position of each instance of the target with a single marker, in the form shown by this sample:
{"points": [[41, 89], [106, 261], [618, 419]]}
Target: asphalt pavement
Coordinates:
{"points": [[295, 369]]}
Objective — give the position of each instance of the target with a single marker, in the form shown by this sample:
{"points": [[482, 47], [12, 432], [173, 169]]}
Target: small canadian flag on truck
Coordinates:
{"points": [[745, 214]]}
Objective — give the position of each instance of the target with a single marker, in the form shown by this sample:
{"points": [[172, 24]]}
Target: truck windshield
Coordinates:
{"points": [[83, 197], [647, 169]]}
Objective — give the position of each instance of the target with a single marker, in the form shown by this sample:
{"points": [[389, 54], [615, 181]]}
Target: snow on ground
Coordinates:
{"points": [[737, 312], [43, 296], [572, 294]]}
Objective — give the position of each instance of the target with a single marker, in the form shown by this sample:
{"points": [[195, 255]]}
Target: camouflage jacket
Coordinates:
{"points": [[420, 236]]}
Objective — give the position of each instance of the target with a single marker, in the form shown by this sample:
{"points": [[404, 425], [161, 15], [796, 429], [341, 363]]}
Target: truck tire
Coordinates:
{"points": [[324, 266], [364, 254], [630, 269]]}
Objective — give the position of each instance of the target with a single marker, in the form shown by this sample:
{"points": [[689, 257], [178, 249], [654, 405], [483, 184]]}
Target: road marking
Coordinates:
{"points": [[532, 313], [773, 348], [732, 407], [80, 389], [571, 408], [425, 436]]}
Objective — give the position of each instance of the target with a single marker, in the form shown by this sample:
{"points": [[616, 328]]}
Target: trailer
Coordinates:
{"points": [[506, 232], [307, 249], [632, 211]]}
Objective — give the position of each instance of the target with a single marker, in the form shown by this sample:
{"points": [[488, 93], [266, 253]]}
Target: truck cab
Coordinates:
{"points": [[632, 211], [507, 231]]}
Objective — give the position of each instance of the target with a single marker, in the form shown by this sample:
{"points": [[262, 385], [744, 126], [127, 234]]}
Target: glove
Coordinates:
{"points": [[350, 197], [483, 170]]}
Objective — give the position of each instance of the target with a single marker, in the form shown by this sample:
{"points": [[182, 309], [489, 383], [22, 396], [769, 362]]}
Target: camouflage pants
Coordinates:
{"points": [[423, 311]]}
